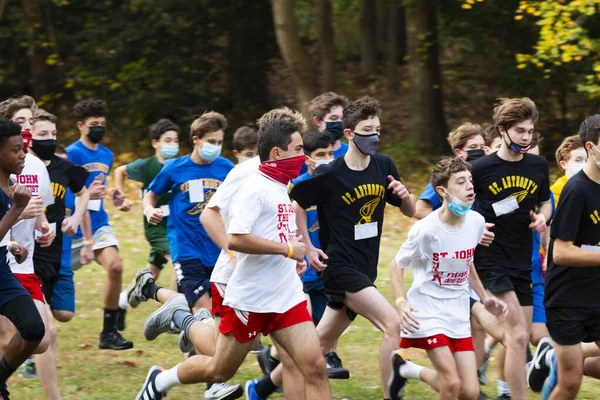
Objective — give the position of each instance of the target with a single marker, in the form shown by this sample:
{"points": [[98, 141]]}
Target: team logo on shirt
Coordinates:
{"points": [[514, 181], [363, 191], [97, 167], [30, 182], [58, 190], [452, 278], [595, 217], [210, 187]]}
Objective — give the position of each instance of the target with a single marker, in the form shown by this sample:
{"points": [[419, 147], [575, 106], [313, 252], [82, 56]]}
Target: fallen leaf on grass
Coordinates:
{"points": [[129, 364], [85, 346], [139, 353]]}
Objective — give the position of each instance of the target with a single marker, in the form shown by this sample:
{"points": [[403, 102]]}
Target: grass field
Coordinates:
{"points": [[85, 372]]}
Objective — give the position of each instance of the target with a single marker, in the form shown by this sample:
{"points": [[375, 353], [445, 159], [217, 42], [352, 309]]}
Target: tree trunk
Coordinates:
{"points": [[368, 37], [326, 45], [392, 44], [426, 104], [295, 56], [35, 52]]}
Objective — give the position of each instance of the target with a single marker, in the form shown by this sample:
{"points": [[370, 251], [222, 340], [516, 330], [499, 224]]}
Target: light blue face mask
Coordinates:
{"points": [[209, 152], [575, 168], [169, 150], [595, 159], [458, 207]]}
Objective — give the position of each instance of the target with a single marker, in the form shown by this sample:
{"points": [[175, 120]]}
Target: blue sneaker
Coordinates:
{"points": [[551, 380], [251, 390]]}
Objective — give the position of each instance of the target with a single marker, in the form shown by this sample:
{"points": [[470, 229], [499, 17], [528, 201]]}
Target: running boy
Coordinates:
{"points": [[192, 180], [98, 160], [440, 249], [164, 136], [350, 194], [571, 299], [16, 303], [571, 158], [245, 144], [327, 112], [509, 185]]}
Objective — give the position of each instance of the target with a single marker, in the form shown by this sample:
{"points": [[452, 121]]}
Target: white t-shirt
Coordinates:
{"points": [[263, 283], [35, 177], [441, 258], [223, 198]]}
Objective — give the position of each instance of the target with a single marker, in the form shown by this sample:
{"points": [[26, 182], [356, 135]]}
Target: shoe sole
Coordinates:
{"points": [[400, 393], [531, 370], [338, 374], [159, 310], [148, 376], [110, 347], [135, 302], [239, 392]]}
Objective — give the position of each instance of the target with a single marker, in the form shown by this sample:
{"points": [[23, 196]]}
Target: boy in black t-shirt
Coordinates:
{"points": [[509, 185], [573, 278], [350, 194]]}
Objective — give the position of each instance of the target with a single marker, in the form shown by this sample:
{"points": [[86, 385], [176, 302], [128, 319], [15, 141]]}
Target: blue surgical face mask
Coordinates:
{"points": [[169, 150], [209, 152], [595, 159], [575, 168], [457, 206], [244, 159], [517, 148]]}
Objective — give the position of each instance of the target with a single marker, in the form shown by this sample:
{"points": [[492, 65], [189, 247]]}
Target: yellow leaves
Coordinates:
{"points": [[521, 66], [69, 84], [466, 6], [519, 17], [52, 59]]}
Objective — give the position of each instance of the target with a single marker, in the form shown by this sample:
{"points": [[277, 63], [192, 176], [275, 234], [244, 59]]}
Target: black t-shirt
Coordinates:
{"points": [[347, 200], [527, 183], [63, 174], [5, 205], [577, 220]]}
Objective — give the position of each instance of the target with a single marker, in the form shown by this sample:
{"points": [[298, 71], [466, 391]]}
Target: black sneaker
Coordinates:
{"points": [[121, 313], [482, 396], [528, 355], [266, 362], [503, 397], [148, 390], [4, 392], [335, 369], [397, 382], [259, 347], [114, 341], [538, 371]]}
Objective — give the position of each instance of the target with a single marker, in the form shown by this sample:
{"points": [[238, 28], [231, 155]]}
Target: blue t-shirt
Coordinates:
{"points": [[66, 244], [536, 258], [312, 221], [190, 241], [341, 151], [96, 162], [430, 196]]}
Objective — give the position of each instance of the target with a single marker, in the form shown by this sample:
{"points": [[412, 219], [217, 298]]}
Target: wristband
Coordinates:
{"points": [[12, 243], [290, 250], [399, 299], [231, 254], [88, 242]]}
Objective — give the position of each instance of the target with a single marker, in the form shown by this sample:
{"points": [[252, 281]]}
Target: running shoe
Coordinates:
{"points": [[397, 382], [148, 390], [335, 369], [538, 370], [161, 320]]}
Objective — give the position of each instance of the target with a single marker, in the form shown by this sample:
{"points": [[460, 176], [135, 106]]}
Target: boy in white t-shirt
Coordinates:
{"points": [[435, 313]]}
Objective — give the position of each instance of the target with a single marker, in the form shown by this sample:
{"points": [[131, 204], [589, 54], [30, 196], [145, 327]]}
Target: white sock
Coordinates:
{"points": [[503, 388], [486, 348], [123, 304], [548, 357], [167, 379], [410, 370]]}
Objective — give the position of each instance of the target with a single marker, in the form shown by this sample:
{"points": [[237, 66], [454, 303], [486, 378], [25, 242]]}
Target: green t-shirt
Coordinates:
{"points": [[145, 170]]}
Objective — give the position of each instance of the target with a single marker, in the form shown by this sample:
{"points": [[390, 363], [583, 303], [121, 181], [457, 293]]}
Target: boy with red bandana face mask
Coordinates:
{"points": [[350, 194]]}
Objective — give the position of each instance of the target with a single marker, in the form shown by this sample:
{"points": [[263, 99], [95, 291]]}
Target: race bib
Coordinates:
{"points": [[165, 210], [452, 265], [365, 231], [505, 206], [590, 248], [196, 191], [94, 205]]}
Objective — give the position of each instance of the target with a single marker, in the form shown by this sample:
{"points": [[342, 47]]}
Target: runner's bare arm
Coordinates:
{"points": [[252, 244], [213, 224]]}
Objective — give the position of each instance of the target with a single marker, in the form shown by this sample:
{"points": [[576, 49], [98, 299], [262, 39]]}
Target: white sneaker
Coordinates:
{"points": [[223, 391]]}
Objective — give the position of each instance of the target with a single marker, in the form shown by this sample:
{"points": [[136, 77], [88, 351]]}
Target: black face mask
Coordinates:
{"points": [[335, 130], [44, 149], [95, 134], [474, 154]]}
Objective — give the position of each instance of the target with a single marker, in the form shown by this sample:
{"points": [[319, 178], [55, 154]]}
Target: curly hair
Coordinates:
{"points": [[445, 168], [360, 110], [89, 108]]}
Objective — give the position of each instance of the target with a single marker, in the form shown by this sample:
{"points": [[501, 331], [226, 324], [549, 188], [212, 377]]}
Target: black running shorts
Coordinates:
{"points": [[499, 279], [572, 325]]}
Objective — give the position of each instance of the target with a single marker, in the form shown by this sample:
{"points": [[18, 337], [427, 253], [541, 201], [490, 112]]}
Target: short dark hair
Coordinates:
{"points": [[8, 129], [445, 168], [245, 138], [491, 133], [276, 133], [509, 112], [321, 105], [89, 108], [360, 110], [161, 126], [589, 130], [208, 122], [315, 140]]}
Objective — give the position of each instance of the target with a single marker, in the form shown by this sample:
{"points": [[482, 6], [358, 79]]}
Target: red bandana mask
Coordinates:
{"points": [[26, 135], [284, 170]]}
